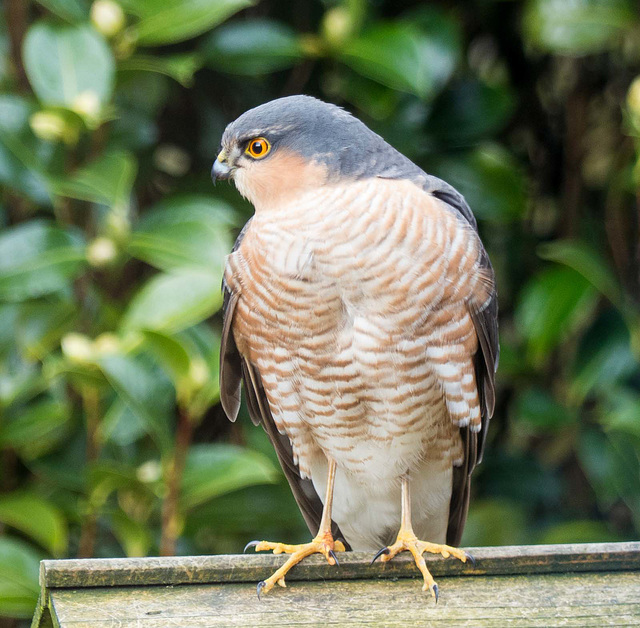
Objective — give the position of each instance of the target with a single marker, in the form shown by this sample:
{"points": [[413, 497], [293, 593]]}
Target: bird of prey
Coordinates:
{"points": [[360, 316]]}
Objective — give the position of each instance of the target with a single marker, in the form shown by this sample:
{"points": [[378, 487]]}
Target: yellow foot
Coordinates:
{"points": [[322, 544], [409, 542]]}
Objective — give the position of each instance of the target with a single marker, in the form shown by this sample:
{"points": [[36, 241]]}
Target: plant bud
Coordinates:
{"points": [[77, 348], [108, 17], [48, 125], [101, 251]]}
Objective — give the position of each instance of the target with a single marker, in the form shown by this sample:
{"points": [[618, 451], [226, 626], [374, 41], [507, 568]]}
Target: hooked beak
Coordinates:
{"points": [[221, 169]]}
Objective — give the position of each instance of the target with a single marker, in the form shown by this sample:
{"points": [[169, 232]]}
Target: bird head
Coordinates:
{"points": [[292, 145]]}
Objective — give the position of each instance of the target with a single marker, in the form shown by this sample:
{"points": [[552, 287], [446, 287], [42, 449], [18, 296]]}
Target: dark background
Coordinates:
{"points": [[112, 240]]}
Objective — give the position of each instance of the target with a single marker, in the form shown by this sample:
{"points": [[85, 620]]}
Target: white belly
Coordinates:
{"points": [[368, 513]]}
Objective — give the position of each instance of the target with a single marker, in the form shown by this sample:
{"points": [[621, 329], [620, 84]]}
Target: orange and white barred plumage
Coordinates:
{"points": [[354, 305]]}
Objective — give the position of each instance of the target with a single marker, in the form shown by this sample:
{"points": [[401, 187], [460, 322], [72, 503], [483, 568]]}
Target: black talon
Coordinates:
{"points": [[384, 550], [333, 555], [248, 545], [261, 585], [434, 588], [470, 558]]}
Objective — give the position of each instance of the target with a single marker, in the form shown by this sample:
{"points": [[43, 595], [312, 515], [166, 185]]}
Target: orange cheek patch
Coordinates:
{"points": [[279, 178]]}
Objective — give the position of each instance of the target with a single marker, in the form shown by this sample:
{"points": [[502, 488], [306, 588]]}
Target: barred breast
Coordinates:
{"points": [[354, 306]]}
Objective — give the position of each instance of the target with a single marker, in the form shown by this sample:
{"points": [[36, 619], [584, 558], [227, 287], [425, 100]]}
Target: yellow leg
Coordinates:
{"points": [[323, 542], [408, 541]]}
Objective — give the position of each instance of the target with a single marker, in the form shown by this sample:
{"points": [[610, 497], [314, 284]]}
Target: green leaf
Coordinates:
{"points": [[205, 365], [36, 429], [36, 518], [407, 56], [481, 528], [604, 357], [133, 536], [180, 360], [170, 302], [19, 150], [491, 181], [121, 425], [42, 324], [579, 26], [65, 62], [185, 231], [583, 258], [470, 110], [553, 305], [144, 391], [620, 412], [170, 21], [69, 10], [581, 531], [180, 67], [252, 47], [108, 180], [37, 258], [19, 573], [612, 466], [213, 470], [540, 411]]}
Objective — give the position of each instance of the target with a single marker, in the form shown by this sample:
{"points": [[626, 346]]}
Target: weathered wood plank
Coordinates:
{"points": [[541, 600], [353, 565]]}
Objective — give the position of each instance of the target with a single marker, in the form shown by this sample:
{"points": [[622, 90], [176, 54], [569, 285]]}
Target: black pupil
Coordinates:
{"points": [[257, 147]]}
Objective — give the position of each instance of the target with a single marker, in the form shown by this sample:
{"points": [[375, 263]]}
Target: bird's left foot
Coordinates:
{"points": [[407, 541], [322, 544]]}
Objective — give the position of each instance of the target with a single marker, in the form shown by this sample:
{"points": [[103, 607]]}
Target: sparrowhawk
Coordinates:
{"points": [[360, 315]]}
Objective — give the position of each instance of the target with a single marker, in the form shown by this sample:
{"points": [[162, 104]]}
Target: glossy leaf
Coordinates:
{"points": [[170, 302], [42, 324], [252, 47], [141, 388], [213, 470], [180, 361], [19, 166], [179, 67], [19, 571], [133, 536], [204, 367], [65, 62], [106, 180], [36, 518], [553, 305], [121, 425], [539, 410], [588, 262], [620, 412], [481, 528], [490, 180], [185, 231], [69, 10], [469, 111], [404, 56], [37, 258], [36, 429], [577, 26], [170, 21], [603, 358], [581, 531]]}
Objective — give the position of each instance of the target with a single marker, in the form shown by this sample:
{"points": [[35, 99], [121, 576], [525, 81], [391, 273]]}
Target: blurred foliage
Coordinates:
{"points": [[112, 441]]}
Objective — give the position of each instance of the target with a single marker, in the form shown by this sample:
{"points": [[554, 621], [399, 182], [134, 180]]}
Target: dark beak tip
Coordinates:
{"points": [[220, 171]]}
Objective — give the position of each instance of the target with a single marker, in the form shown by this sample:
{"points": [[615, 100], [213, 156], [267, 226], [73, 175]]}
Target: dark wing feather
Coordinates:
{"points": [[485, 322], [234, 369]]}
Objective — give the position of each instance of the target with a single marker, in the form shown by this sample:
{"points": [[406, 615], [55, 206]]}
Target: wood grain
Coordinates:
{"points": [[584, 599], [535, 586], [253, 567]]}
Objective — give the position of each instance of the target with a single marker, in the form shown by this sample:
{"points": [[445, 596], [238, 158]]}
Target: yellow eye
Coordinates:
{"points": [[258, 148]]}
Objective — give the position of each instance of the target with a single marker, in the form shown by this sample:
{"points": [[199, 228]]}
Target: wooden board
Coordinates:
{"points": [[566, 585]]}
